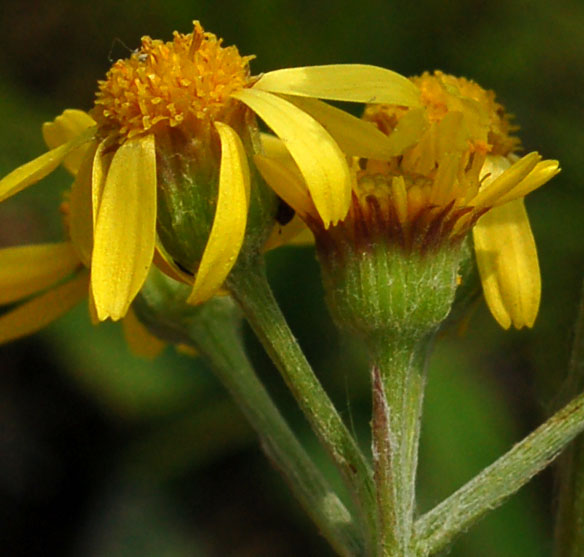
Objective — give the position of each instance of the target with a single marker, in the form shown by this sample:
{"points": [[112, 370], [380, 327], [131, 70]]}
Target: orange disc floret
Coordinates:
{"points": [[170, 83]]}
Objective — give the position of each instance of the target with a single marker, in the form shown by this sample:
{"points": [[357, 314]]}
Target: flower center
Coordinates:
{"points": [[188, 79], [488, 124]]}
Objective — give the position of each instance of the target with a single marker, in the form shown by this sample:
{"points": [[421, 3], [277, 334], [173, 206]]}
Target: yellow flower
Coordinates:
{"points": [[451, 168], [200, 94], [47, 280]]}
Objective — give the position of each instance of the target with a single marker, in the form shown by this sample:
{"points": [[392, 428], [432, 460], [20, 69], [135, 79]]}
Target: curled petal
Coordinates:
{"points": [[508, 264], [38, 168], [67, 127], [503, 181], [39, 312], [139, 339], [25, 270], [343, 82], [318, 157], [125, 231], [543, 172], [228, 230]]}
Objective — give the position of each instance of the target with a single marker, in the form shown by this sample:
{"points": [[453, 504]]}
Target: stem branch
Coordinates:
{"points": [[249, 286], [488, 490]]}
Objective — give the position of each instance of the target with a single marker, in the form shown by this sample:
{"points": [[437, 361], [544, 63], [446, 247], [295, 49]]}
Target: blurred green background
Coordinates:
{"points": [[105, 454]]}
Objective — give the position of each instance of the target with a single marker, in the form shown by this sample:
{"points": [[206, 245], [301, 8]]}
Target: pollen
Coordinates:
{"points": [[168, 84]]}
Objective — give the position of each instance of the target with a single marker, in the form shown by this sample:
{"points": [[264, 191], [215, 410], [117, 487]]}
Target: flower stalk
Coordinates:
{"points": [[248, 285], [213, 329], [394, 299], [399, 376]]}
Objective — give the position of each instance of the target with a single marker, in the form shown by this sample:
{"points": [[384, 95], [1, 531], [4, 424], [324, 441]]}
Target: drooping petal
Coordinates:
{"points": [[67, 127], [101, 164], [353, 135], [508, 264], [38, 168], [228, 230], [502, 181], [25, 270], [318, 157], [36, 314], [343, 82], [80, 208], [139, 339], [125, 233]]}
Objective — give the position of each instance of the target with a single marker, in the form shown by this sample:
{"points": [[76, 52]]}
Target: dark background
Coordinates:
{"points": [[105, 454]]}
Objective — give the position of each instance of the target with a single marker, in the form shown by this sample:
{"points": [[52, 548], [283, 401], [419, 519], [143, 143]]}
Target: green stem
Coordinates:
{"points": [[569, 534], [214, 330], [399, 369], [219, 340], [492, 486], [248, 284]]}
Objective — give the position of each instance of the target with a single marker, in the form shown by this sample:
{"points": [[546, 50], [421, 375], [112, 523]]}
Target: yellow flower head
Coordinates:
{"points": [[441, 169], [178, 118], [186, 81], [460, 172]]}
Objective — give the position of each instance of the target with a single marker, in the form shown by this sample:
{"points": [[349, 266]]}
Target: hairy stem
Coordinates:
{"points": [[488, 490], [249, 286]]}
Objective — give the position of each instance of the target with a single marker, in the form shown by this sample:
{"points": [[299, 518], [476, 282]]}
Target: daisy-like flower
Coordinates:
{"points": [[454, 170], [165, 151], [46, 281]]}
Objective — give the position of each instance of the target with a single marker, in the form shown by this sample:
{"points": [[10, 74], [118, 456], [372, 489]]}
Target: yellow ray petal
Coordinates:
{"points": [[318, 157], [353, 135], [508, 264], [38, 168], [294, 233], [228, 230], [25, 270], [67, 127], [343, 82], [139, 339], [80, 208], [287, 182], [101, 163], [273, 147], [408, 130], [543, 172], [36, 314], [125, 233], [496, 186]]}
